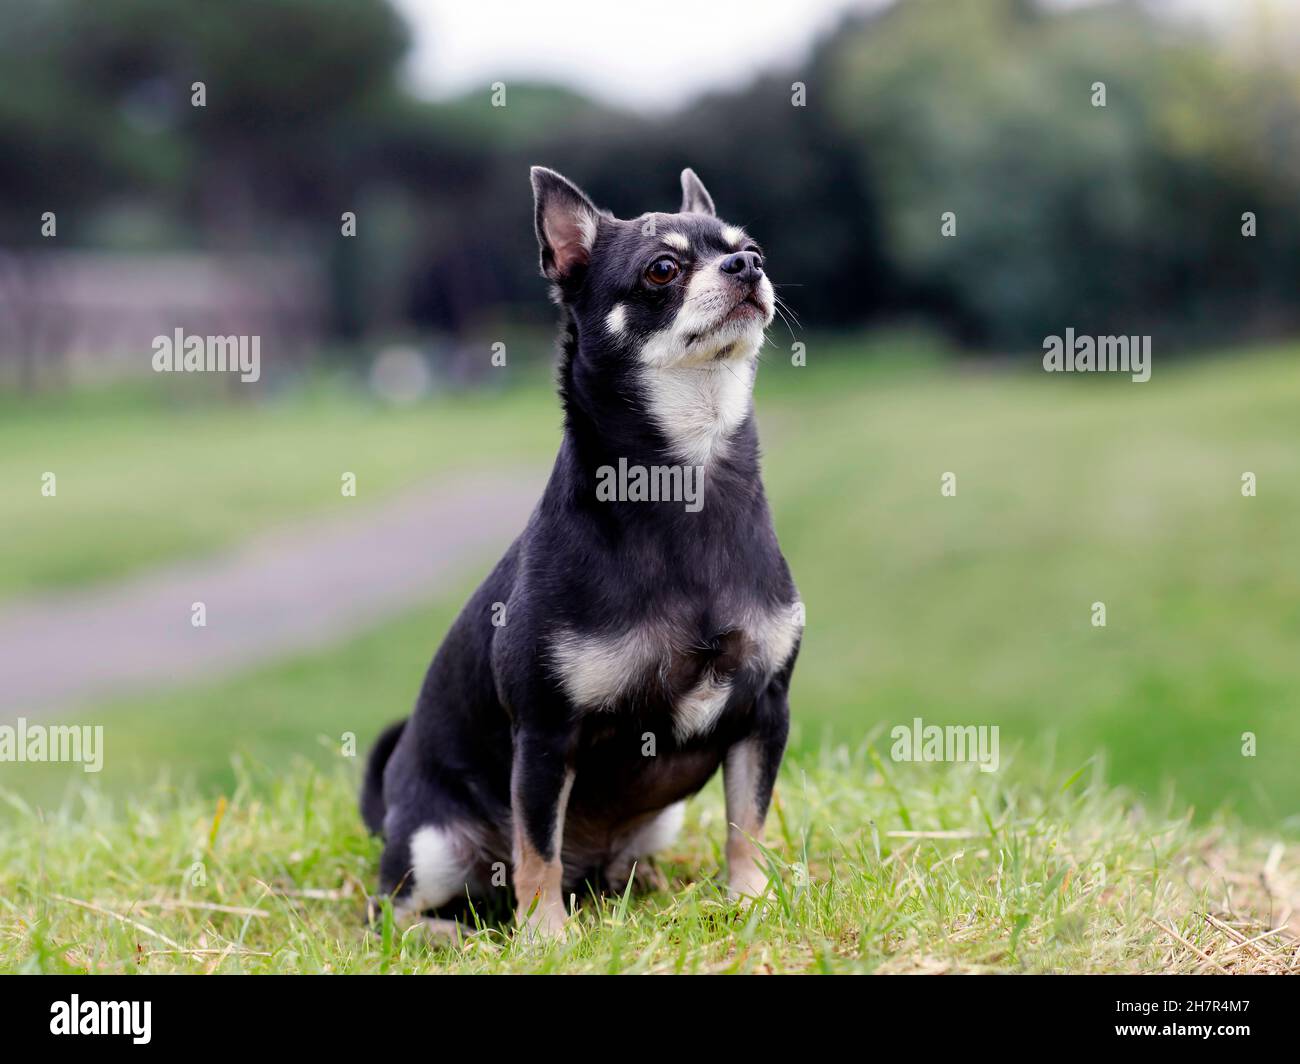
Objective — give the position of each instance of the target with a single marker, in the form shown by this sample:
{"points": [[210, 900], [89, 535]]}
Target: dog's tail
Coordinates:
{"points": [[372, 788]]}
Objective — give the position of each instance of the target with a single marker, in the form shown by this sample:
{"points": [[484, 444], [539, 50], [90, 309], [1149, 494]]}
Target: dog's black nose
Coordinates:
{"points": [[744, 265]]}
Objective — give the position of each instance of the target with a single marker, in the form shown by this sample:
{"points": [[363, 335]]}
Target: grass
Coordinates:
{"points": [[978, 608], [974, 609], [146, 476], [877, 868]]}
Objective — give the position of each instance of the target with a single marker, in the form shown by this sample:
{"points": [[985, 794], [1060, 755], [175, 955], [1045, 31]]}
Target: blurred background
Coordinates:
{"points": [[838, 133]]}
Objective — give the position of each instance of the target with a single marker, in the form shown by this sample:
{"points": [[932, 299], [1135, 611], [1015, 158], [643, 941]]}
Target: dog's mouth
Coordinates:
{"points": [[730, 332], [748, 307]]}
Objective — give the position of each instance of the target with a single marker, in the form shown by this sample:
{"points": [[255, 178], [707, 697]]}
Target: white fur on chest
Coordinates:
{"points": [[599, 671], [698, 407]]}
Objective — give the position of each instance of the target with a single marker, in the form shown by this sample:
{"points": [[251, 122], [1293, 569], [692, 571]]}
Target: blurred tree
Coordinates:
{"points": [[1115, 218], [1122, 218], [96, 99]]}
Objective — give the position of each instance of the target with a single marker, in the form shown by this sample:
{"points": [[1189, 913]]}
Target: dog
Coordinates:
{"points": [[627, 644]]}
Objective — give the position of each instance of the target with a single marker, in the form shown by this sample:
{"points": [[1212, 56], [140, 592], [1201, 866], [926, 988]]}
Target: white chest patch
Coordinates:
{"points": [[697, 408], [599, 672]]}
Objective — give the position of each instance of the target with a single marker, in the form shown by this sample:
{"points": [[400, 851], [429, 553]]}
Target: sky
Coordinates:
{"points": [[639, 55]]}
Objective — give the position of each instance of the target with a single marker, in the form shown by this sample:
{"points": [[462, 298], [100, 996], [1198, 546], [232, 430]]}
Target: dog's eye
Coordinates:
{"points": [[662, 271]]}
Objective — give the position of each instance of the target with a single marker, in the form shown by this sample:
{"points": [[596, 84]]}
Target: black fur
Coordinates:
{"points": [[492, 708]]}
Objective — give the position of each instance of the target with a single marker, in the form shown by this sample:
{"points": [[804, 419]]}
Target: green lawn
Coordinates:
{"points": [[977, 608], [877, 868], [146, 476], [971, 609]]}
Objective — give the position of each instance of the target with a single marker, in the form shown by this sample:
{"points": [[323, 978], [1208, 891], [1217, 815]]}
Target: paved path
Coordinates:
{"points": [[298, 587]]}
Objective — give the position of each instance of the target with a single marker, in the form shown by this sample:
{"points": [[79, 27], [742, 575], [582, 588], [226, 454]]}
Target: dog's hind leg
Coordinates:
{"points": [[427, 868]]}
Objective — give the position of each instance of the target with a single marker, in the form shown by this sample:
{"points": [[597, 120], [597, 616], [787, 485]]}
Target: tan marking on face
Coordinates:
{"points": [[733, 235], [679, 241]]}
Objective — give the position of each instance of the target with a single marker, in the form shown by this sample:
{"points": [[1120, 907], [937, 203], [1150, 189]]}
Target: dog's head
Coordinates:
{"points": [[664, 290]]}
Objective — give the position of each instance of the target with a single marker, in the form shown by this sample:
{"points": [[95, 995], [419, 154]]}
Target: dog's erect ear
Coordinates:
{"points": [[695, 197], [566, 223]]}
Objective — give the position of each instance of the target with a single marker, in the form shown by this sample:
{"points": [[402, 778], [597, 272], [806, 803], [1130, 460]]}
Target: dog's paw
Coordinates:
{"points": [[748, 881], [439, 932], [548, 922], [648, 877], [645, 876]]}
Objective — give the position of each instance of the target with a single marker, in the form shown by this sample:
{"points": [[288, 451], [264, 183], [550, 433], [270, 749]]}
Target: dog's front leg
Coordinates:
{"points": [[540, 781], [749, 774]]}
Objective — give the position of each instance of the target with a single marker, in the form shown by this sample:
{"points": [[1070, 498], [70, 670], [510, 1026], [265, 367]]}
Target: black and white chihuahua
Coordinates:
{"points": [[626, 645]]}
